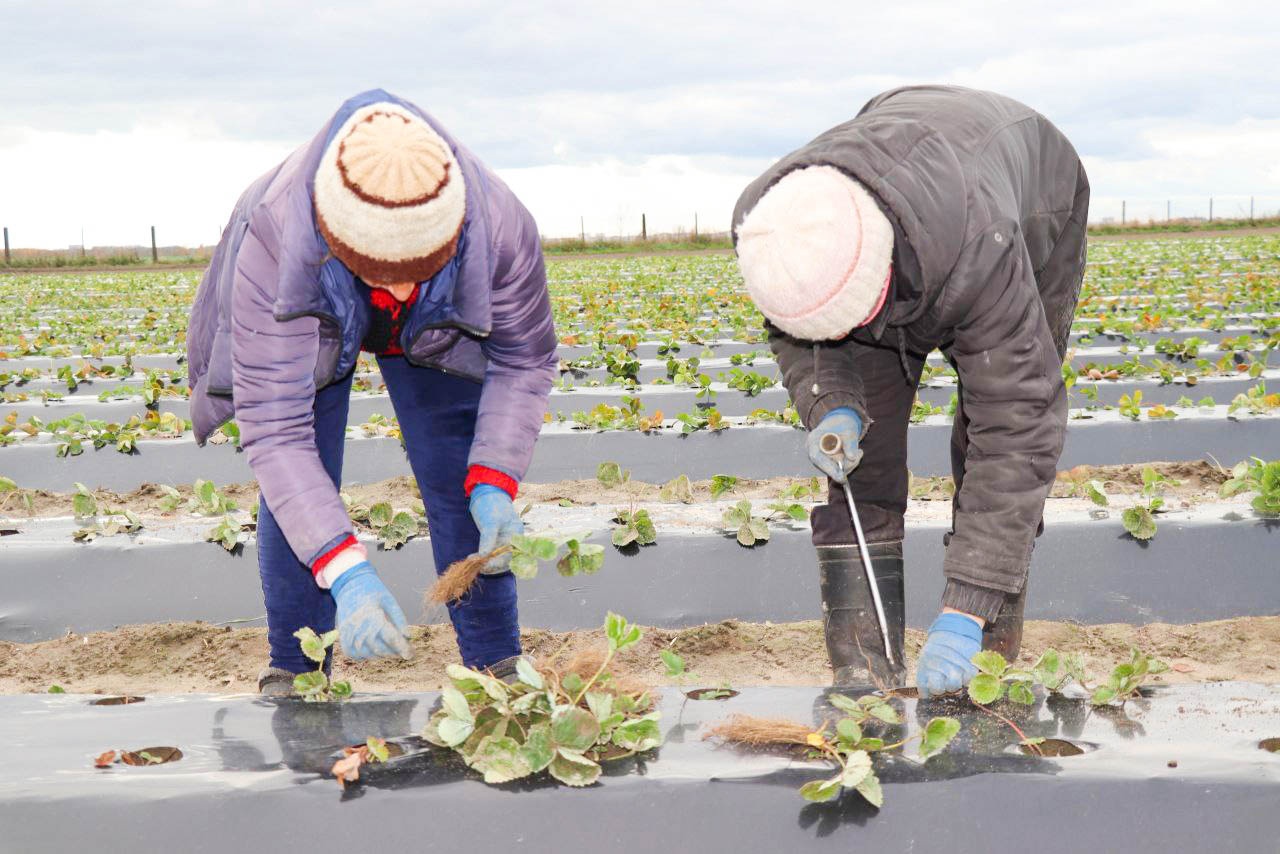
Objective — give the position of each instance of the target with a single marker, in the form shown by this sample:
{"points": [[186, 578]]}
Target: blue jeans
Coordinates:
{"points": [[437, 415]]}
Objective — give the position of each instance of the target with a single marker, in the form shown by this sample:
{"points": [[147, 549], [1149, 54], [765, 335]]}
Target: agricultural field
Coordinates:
{"points": [[671, 485]]}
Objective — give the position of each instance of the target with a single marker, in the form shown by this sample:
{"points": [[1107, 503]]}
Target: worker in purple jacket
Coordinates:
{"points": [[382, 234]]}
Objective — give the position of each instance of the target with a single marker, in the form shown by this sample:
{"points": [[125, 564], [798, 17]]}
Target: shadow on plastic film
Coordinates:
{"points": [[307, 735]]}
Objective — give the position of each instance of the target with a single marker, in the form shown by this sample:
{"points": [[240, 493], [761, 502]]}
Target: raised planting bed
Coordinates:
{"points": [[1084, 569], [1180, 770], [565, 453], [669, 399]]}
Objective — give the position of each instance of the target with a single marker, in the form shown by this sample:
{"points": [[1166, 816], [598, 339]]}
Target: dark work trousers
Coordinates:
{"points": [[437, 415], [880, 483]]}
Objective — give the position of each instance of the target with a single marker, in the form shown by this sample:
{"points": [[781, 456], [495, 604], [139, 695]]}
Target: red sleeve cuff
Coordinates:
{"points": [[477, 475], [323, 560]]}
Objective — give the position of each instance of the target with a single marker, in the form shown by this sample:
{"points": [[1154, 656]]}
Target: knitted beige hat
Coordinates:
{"points": [[389, 196], [816, 252]]}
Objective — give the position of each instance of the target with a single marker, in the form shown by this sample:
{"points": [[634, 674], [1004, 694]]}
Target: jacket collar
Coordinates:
{"points": [[312, 282]]}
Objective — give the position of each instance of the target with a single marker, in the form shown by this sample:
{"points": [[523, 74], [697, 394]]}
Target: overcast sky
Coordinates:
{"points": [[114, 117]]}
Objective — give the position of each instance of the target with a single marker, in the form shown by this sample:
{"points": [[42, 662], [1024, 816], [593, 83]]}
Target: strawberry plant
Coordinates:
{"points": [[10, 491], [749, 530], [1127, 678], [206, 500], [1256, 475], [997, 680], [116, 521], [633, 527], [683, 371], [1139, 520], [845, 745], [580, 557], [610, 475], [707, 419], [84, 504], [1255, 401], [393, 528], [750, 382], [786, 505], [677, 489], [803, 490], [1131, 405], [314, 686], [228, 533], [920, 410], [527, 552], [722, 483], [564, 721]]}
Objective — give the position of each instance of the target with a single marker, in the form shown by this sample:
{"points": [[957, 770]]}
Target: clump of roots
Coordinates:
{"points": [[760, 732], [458, 578]]}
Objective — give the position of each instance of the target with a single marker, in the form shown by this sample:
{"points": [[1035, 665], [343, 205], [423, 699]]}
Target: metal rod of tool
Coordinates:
{"points": [[831, 445]]}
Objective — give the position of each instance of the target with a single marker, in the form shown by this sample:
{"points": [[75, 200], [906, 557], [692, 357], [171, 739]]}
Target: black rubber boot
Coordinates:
{"points": [[854, 642], [275, 682], [1005, 634]]}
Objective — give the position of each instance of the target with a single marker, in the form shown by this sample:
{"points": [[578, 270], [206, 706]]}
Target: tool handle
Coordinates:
{"points": [[830, 444]]}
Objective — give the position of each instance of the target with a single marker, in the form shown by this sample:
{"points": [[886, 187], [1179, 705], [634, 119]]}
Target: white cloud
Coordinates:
{"points": [[606, 114], [117, 185]]}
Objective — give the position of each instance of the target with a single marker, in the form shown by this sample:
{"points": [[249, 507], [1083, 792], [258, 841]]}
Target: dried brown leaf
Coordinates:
{"points": [[347, 769]]}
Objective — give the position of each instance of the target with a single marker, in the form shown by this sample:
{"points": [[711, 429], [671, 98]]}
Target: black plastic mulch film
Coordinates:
{"points": [[1179, 770]]}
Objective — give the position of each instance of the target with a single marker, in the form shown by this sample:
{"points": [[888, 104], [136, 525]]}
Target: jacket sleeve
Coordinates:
{"points": [[1015, 403], [819, 376], [274, 390], [521, 354]]}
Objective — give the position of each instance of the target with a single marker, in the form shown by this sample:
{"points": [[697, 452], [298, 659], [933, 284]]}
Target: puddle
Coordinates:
{"points": [[1053, 748], [711, 694], [1271, 745], [117, 701]]}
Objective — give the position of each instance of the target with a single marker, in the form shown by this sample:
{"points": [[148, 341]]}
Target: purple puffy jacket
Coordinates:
{"points": [[276, 318]]}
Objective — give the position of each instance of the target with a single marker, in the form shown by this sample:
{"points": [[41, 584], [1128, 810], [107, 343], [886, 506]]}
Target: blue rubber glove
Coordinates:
{"points": [[944, 664], [846, 424], [370, 622], [496, 517]]}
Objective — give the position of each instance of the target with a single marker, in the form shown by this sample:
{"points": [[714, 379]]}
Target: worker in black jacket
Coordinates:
{"points": [[938, 218]]}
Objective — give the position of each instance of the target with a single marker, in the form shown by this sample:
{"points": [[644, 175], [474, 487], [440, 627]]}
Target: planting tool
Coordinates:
{"points": [[831, 445]]}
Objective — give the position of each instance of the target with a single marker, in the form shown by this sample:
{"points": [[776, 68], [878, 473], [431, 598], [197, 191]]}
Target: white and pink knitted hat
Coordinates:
{"points": [[816, 253]]}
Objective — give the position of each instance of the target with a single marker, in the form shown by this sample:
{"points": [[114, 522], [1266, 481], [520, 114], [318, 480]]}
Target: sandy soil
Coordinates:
{"points": [[198, 657], [1197, 481]]}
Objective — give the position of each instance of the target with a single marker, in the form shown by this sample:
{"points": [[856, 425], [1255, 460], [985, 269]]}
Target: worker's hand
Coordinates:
{"points": [[370, 623], [846, 424], [496, 517], [944, 664]]}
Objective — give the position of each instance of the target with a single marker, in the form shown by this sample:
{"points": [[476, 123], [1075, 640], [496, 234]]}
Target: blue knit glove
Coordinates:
{"points": [[846, 424], [496, 517], [944, 664], [370, 623]]}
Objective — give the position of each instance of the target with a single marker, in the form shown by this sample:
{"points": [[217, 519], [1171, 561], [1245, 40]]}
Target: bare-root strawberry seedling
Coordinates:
{"points": [[844, 743]]}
